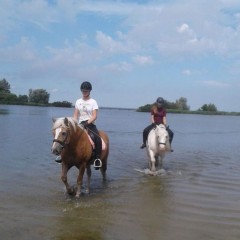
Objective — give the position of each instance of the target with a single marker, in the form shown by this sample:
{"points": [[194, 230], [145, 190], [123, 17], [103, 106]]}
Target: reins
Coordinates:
{"points": [[159, 143], [63, 143], [93, 132]]}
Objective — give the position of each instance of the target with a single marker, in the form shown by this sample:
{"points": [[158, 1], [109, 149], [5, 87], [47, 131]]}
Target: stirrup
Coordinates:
{"points": [[97, 163]]}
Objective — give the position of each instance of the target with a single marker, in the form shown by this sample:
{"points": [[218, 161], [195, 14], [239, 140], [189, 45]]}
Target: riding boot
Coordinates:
{"points": [[171, 134], [98, 162], [58, 159], [143, 146], [145, 134]]}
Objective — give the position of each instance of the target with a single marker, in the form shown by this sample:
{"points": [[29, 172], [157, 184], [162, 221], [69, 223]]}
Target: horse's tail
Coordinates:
{"points": [[105, 151]]}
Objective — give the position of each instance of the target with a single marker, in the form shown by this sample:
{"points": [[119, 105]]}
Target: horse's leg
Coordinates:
{"points": [[103, 169], [152, 161], [89, 173], [65, 180], [162, 155], [80, 179], [156, 161]]}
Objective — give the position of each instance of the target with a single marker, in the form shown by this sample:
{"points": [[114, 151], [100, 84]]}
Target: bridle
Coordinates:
{"points": [[64, 142], [159, 143]]}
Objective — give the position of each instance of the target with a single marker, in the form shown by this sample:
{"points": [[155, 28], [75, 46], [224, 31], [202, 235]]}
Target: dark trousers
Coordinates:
{"points": [[150, 127], [93, 132]]}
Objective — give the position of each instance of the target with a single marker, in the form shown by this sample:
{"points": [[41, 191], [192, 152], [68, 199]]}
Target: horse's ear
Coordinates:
{"points": [[66, 121], [54, 119]]}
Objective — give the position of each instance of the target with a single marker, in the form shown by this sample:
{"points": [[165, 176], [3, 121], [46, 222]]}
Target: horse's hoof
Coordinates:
{"points": [[77, 195], [71, 191]]}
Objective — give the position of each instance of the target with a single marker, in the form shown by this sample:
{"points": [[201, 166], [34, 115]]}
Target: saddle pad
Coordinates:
{"points": [[93, 144]]}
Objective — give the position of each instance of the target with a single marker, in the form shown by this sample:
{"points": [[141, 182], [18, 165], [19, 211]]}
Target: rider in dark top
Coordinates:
{"points": [[158, 116]]}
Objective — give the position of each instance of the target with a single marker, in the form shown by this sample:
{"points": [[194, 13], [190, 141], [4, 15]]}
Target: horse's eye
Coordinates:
{"points": [[64, 134]]}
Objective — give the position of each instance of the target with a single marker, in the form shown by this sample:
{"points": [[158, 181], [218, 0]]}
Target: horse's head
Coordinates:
{"points": [[162, 136], [61, 133]]}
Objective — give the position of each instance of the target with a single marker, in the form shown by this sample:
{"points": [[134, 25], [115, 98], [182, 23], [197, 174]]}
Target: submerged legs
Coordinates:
{"points": [[80, 179], [65, 181]]}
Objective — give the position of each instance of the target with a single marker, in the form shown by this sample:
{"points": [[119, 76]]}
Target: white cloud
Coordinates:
{"points": [[119, 67], [21, 52], [143, 60], [216, 84], [187, 72], [184, 28]]}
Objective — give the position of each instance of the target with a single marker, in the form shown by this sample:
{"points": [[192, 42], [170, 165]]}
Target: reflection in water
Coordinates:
{"points": [[195, 197], [79, 222], [4, 111]]}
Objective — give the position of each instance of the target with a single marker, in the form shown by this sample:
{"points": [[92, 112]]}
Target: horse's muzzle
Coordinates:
{"points": [[162, 146], [57, 147]]}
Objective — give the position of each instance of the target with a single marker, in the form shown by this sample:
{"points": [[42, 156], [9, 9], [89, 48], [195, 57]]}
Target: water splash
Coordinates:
{"points": [[147, 171]]}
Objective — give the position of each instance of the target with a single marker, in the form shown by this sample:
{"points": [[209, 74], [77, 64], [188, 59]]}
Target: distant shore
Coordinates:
{"points": [[140, 110], [199, 112]]}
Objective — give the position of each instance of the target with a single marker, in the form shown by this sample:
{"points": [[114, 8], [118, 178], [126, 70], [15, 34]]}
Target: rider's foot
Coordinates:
{"points": [[143, 146], [97, 163], [58, 159]]}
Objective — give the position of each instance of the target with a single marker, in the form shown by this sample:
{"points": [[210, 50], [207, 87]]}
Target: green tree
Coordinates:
{"points": [[22, 99], [62, 104], [208, 108], [182, 104], [145, 108], [4, 86], [11, 98], [40, 96]]}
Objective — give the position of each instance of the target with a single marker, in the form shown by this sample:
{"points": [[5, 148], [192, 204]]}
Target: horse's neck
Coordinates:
{"points": [[77, 134]]}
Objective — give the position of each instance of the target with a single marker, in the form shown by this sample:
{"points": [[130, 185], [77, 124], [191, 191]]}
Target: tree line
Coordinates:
{"points": [[180, 105], [38, 97]]}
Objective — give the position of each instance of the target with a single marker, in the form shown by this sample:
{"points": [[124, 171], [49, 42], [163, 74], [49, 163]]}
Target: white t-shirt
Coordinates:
{"points": [[85, 108]]}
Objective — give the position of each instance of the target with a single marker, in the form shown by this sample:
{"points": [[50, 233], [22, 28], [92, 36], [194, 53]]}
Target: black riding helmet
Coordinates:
{"points": [[160, 100], [86, 86]]}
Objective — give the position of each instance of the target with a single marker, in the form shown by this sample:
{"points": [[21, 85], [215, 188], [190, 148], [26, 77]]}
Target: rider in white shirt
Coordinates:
{"points": [[86, 110]]}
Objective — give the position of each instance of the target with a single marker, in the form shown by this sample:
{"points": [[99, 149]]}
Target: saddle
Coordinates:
{"points": [[91, 139], [93, 159]]}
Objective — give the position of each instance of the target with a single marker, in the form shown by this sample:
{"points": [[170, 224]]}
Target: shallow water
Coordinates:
{"points": [[195, 196]]}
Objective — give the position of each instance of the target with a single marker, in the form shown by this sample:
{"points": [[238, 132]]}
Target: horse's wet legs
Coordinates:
{"points": [[152, 162], [64, 179], [156, 161], [89, 173], [103, 171], [79, 180]]}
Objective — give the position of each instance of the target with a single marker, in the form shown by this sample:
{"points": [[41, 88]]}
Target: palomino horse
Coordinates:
{"points": [[157, 146], [72, 142]]}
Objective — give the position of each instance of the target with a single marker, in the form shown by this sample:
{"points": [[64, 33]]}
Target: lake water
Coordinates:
{"points": [[197, 197]]}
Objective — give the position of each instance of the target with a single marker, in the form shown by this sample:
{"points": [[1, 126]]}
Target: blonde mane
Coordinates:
{"points": [[59, 122]]}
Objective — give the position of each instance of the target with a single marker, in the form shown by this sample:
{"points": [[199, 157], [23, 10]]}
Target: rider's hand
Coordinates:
{"points": [[85, 124]]}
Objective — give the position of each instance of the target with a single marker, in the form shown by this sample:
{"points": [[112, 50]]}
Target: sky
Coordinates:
{"points": [[131, 51]]}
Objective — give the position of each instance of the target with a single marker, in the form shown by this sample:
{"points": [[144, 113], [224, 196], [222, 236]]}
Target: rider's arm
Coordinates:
{"points": [[94, 116], [165, 120], [76, 114], [152, 118]]}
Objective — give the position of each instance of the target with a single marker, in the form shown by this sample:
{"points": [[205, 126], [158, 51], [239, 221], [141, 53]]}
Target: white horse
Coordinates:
{"points": [[157, 146]]}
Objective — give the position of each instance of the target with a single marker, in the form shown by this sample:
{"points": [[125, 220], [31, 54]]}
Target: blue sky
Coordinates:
{"points": [[131, 51]]}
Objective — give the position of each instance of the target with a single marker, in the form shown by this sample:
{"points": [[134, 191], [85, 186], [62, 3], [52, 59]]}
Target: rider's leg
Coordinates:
{"points": [[98, 145], [171, 134], [145, 134]]}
